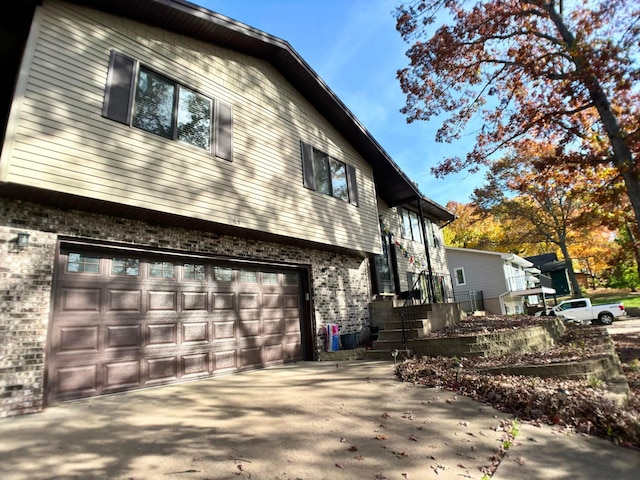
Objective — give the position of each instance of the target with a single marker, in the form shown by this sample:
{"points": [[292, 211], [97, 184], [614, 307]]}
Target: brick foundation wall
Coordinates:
{"points": [[340, 283]]}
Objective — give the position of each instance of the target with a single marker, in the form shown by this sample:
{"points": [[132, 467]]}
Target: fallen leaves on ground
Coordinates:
{"points": [[587, 408]]}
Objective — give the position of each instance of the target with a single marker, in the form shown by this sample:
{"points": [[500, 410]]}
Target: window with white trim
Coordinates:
{"points": [[460, 276]]}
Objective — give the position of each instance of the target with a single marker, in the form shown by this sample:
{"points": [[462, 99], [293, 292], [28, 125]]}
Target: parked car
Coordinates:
{"points": [[581, 310]]}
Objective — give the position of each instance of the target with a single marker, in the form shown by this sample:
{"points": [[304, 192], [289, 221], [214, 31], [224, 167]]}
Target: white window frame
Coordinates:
{"points": [[456, 278]]}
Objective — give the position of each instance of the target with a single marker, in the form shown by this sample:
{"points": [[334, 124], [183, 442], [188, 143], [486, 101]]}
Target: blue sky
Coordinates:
{"points": [[354, 47]]}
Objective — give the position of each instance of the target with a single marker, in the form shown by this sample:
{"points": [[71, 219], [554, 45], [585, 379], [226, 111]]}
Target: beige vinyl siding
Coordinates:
{"points": [[61, 142], [483, 271]]}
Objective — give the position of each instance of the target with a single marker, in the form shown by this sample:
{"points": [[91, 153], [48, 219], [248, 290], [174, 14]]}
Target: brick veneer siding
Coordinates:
{"points": [[340, 283]]}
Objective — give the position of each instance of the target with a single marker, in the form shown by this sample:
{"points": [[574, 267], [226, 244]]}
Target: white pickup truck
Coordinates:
{"points": [[580, 310]]}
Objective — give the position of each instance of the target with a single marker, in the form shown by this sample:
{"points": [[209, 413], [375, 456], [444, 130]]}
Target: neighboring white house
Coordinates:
{"points": [[505, 279]]}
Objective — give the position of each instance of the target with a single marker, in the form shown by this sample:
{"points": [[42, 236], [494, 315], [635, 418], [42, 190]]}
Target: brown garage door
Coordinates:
{"points": [[126, 320]]}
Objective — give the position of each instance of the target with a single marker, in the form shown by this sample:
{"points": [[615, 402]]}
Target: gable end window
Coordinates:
{"points": [[137, 96], [328, 175]]}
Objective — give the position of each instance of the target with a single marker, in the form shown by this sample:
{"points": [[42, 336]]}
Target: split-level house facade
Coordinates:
{"points": [[182, 196]]}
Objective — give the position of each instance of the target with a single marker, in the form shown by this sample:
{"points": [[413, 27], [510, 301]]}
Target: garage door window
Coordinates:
{"points": [[193, 272], [270, 278], [248, 276], [291, 278], [129, 267], [161, 270], [223, 274], [79, 263]]}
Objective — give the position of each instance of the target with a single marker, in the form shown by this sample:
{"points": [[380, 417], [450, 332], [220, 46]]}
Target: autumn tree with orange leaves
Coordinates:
{"points": [[525, 70], [552, 205]]}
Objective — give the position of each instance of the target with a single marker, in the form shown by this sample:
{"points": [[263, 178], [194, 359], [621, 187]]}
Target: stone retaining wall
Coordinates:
{"points": [[533, 339]]}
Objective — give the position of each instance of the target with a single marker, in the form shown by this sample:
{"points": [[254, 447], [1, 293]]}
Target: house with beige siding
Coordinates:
{"points": [[182, 196]]}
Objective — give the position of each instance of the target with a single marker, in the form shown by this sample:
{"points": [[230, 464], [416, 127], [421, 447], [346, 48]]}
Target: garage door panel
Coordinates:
{"points": [[123, 336], [194, 332], [195, 364], [273, 326], [225, 360], [194, 301], [76, 380], [76, 339], [162, 301], [124, 301], [251, 357], [291, 301], [224, 301], [248, 301], [292, 326], [162, 334], [223, 330], [123, 329], [272, 301], [292, 349], [80, 300], [249, 328], [272, 353], [162, 369], [122, 375]]}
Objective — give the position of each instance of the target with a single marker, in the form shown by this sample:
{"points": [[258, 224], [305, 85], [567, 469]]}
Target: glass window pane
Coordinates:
{"points": [[270, 278], [291, 278], [416, 231], [155, 98], [78, 263], [194, 119], [339, 180], [161, 270], [223, 274], [129, 267], [322, 172], [406, 224], [194, 272], [248, 276]]}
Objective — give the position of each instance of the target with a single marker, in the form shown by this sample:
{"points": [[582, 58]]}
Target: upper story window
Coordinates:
{"points": [[459, 276], [136, 95], [411, 226], [328, 175]]}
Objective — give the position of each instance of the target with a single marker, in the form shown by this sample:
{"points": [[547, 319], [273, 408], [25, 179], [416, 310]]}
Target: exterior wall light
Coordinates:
{"points": [[23, 240]]}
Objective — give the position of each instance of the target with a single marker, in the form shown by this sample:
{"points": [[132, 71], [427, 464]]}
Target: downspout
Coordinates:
{"points": [[432, 287]]}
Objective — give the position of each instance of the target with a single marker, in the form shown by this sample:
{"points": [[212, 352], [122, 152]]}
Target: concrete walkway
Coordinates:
{"points": [[311, 420]]}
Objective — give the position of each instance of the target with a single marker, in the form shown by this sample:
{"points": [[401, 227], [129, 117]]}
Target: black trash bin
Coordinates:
{"points": [[349, 340]]}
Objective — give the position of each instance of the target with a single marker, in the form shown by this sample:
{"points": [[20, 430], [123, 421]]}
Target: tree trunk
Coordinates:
{"points": [[622, 155]]}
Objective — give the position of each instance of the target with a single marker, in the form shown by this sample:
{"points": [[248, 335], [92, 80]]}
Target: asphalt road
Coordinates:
{"points": [[628, 325]]}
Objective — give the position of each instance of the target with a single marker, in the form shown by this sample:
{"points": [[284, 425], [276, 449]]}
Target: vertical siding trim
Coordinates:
{"points": [[308, 174], [224, 131], [18, 94], [118, 94]]}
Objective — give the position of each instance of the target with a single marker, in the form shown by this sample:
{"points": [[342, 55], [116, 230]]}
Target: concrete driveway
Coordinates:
{"points": [[311, 420]]}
